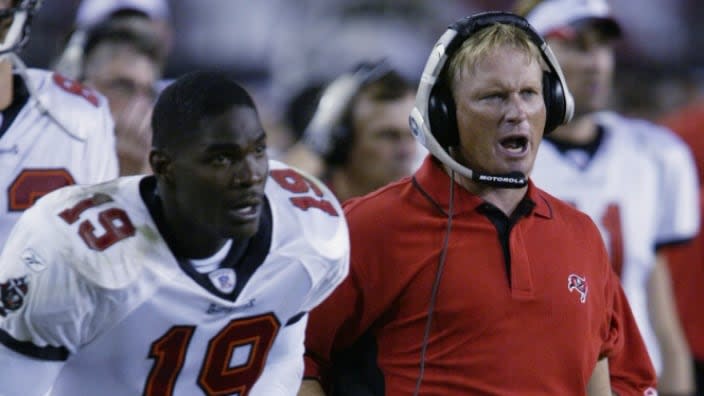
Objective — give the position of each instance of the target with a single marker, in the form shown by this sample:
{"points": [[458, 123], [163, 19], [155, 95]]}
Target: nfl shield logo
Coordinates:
{"points": [[224, 279]]}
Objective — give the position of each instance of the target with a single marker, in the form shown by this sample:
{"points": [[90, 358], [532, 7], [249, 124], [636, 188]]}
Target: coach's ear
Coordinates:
{"points": [[161, 164]]}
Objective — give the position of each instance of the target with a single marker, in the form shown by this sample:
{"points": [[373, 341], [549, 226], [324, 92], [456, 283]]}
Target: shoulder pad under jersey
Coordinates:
{"points": [[82, 110], [306, 214]]}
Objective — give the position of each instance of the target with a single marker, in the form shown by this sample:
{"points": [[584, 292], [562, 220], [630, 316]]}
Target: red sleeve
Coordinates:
{"points": [[630, 368], [349, 312], [331, 326]]}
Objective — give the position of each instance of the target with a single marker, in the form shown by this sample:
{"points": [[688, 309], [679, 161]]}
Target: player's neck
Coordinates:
{"points": [[186, 239], [6, 85], [581, 130]]}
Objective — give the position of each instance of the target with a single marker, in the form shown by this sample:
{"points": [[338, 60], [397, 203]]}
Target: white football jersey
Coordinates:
{"points": [[640, 188], [91, 290], [38, 156]]}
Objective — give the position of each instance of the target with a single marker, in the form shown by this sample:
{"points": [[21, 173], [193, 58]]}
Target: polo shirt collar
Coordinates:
{"points": [[434, 181]]}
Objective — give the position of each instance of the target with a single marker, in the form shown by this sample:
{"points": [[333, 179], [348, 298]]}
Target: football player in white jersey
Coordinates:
{"points": [[53, 131], [637, 181], [196, 280]]}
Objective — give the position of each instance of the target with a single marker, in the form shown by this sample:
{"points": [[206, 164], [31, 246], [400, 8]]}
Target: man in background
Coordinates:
{"points": [[634, 179], [122, 60], [359, 134]]}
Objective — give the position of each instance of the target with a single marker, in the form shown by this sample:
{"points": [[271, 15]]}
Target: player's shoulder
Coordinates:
{"points": [[74, 194], [81, 109], [306, 214], [643, 133], [88, 229]]}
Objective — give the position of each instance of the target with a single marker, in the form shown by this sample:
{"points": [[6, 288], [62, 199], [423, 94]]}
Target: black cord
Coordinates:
{"points": [[436, 285]]}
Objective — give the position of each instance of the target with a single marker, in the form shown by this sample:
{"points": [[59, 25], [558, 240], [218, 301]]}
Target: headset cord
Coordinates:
{"points": [[436, 285]]}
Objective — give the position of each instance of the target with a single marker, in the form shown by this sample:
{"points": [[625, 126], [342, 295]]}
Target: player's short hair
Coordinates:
{"points": [[479, 44], [389, 87], [193, 97], [129, 32]]}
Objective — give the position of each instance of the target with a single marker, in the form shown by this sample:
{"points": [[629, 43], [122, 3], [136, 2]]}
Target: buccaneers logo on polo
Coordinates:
{"points": [[578, 284], [12, 294]]}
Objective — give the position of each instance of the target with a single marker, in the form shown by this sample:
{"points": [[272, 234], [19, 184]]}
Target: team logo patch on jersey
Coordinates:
{"points": [[224, 279], [32, 260], [578, 284], [12, 294]]}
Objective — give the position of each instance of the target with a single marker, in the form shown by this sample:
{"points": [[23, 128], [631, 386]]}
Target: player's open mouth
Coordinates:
{"points": [[246, 210], [515, 144]]}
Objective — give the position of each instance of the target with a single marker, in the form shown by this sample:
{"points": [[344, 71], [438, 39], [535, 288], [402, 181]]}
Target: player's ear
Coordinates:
{"points": [[160, 162]]}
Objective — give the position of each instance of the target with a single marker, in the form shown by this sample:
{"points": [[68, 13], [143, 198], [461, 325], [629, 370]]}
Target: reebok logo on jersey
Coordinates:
{"points": [[215, 309], [32, 260], [578, 284], [224, 279], [12, 294]]}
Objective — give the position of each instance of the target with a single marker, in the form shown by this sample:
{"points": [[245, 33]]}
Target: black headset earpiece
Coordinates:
{"points": [[441, 105], [443, 115], [555, 103], [331, 124]]}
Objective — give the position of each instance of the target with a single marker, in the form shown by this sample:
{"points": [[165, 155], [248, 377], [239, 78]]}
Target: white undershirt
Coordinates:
{"points": [[211, 263]]}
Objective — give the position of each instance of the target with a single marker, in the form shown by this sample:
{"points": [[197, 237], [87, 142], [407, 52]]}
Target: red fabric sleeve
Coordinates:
{"points": [[330, 329], [349, 312], [630, 368]]}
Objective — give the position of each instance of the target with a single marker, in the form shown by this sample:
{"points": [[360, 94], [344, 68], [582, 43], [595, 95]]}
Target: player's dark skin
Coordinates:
{"points": [[212, 184]]}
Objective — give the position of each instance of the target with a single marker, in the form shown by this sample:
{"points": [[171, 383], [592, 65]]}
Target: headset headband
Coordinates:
{"points": [[444, 48]]}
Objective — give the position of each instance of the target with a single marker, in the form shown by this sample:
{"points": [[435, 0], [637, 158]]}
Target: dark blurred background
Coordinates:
{"points": [[276, 47]]}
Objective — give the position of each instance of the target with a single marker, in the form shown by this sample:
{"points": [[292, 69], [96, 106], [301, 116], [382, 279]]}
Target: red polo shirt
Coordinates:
{"points": [[525, 305]]}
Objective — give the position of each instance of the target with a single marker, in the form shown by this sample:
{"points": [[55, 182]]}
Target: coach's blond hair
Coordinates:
{"points": [[486, 40]]}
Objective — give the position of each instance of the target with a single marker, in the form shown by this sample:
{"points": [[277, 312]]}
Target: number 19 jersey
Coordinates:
{"points": [[88, 283]]}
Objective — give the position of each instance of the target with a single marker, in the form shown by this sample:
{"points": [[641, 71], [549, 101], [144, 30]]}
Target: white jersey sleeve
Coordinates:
{"points": [[679, 218], [85, 115], [25, 376], [43, 305], [312, 228], [678, 192], [44, 300]]}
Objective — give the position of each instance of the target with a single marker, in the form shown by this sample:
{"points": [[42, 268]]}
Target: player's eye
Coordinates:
{"points": [[221, 160]]}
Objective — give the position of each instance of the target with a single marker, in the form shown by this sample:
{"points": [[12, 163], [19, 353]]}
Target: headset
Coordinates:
{"points": [[18, 32], [434, 124], [433, 120], [329, 131]]}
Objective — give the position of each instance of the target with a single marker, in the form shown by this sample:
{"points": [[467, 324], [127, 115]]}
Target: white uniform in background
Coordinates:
{"points": [[641, 190], [39, 154], [95, 303]]}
